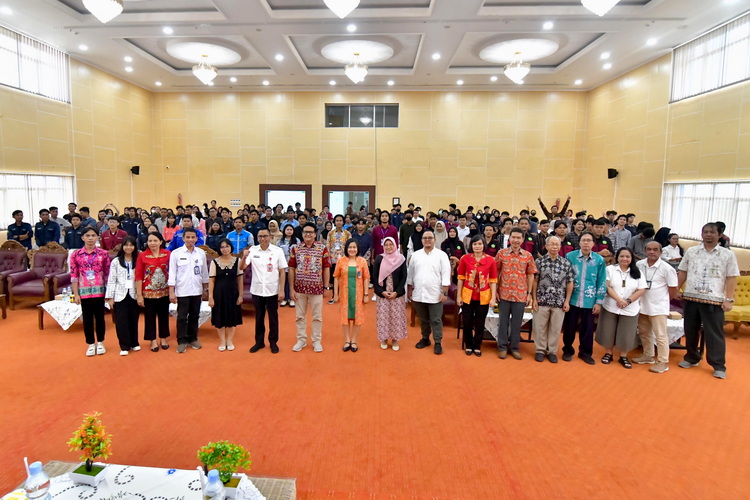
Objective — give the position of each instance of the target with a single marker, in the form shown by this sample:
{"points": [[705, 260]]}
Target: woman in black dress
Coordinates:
{"points": [[225, 294]]}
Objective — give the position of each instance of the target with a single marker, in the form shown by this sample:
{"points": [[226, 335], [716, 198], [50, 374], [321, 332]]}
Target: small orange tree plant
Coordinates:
{"points": [[225, 457], [91, 439]]}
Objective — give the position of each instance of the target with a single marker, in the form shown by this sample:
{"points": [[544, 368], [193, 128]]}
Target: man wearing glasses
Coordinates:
{"points": [[268, 265], [427, 283], [309, 269]]}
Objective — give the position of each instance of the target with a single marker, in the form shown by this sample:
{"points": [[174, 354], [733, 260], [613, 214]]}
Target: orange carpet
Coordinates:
{"points": [[381, 424]]}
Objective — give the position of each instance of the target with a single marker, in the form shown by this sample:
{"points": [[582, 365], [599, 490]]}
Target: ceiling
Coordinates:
{"points": [[298, 30]]}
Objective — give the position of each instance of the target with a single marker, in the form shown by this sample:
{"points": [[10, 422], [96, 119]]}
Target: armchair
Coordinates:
{"points": [[47, 263], [12, 260]]}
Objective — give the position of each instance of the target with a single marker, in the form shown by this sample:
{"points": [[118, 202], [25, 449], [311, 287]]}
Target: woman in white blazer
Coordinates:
{"points": [[121, 296]]}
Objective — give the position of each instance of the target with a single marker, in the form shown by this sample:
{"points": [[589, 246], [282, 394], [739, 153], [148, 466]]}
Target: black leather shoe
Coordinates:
{"points": [[587, 359], [438, 348], [423, 343], [567, 357], [552, 358], [274, 348], [539, 357], [256, 348]]}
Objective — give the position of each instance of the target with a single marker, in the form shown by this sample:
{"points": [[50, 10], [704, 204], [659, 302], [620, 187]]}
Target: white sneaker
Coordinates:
{"points": [[395, 346], [384, 345], [230, 347], [299, 346], [317, 347], [222, 348], [91, 351], [100, 348], [291, 303], [123, 353], [374, 298], [136, 348]]}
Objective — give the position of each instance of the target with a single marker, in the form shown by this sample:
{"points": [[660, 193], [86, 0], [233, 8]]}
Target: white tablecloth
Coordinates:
{"points": [[123, 482], [203, 316], [492, 322], [65, 313]]}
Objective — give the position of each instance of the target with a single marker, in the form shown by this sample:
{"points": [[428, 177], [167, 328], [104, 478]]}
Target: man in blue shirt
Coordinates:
{"points": [[363, 237], [590, 276], [254, 224], [240, 238], [290, 214], [130, 222], [74, 234], [396, 216], [20, 231], [177, 242], [46, 230], [86, 219]]}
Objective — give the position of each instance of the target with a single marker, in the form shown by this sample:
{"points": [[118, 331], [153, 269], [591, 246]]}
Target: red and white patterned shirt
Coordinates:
{"points": [[512, 271], [309, 263]]}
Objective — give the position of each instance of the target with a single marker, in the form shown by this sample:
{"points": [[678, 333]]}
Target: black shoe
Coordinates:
{"points": [[256, 348], [274, 348], [539, 357], [552, 358], [477, 353], [438, 348], [423, 343], [587, 359], [567, 357]]}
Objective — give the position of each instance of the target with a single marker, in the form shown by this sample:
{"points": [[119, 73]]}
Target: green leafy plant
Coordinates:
{"points": [[91, 439], [225, 457]]}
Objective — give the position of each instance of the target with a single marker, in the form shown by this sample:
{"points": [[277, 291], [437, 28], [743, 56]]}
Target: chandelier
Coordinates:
{"points": [[342, 8], [203, 71], [104, 10], [599, 7], [517, 69], [355, 70]]}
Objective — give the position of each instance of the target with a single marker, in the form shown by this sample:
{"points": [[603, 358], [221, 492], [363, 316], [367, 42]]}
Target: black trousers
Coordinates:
{"points": [[262, 305], [579, 320], [93, 318], [711, 317], [126, 322], [188, 309], [156, 309], [473, 315]]}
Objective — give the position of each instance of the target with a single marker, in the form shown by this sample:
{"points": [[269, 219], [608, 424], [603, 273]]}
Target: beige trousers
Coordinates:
{"points": [[315, 304], [547, 325], [653, 329]]}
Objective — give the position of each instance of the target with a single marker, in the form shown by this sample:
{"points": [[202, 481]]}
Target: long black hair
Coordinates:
{"points": [[121, 252], [635, 273]]}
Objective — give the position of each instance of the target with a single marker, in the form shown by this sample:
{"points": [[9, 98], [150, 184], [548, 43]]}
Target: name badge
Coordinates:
{"points": [[129, 284], [359, 275], [269, 267], [90, 276], [197, 269]]}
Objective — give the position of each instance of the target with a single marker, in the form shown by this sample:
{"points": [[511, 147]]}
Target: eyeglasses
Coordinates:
{"points": [[428, 237], [308, 232], [264, 236]]}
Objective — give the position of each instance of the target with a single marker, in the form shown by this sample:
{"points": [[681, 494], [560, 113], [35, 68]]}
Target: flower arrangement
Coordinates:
{"points": [[91, 439], [225, 457]]}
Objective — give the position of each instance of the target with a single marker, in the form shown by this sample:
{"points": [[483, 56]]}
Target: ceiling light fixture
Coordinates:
{"points": [[548, 25], [493, 78], [436, 56], [459, 82], [342, 8], [233, 79], [210, 84], [391, 83], [351, 28], [605, 55], [332, 82], [6, 11], [83, 47], [578, 82], [279, 57], [203, 71], [517, 69], [104, 10], [599, 7], [607, 66], [157, 83], [129, 69], [266, 83], [167, 30], [651, 41], [128, 59], [355, 70]]}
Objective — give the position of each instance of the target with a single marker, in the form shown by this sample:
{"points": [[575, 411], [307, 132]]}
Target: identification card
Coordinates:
{"points": [[129, 284], [269, 268], [359, 275], [197, 270], [90, 276]]}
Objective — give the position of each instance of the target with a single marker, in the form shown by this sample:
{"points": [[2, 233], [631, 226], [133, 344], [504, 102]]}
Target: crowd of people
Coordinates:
{"points": [[604, 279]]}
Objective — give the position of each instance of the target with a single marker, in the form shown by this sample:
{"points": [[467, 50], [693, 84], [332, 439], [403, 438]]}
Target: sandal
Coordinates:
{"points": [[624, 361], [607, 358], [347, 346], [354, 347]]}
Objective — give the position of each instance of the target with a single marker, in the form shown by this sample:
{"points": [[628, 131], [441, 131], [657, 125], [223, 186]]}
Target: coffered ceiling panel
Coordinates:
{"points": [[405, 48], [158, 49]]}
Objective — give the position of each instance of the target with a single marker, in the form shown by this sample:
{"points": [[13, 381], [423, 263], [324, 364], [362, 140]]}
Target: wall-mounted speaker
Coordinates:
{"points": [[612, 173], [136, 170]]}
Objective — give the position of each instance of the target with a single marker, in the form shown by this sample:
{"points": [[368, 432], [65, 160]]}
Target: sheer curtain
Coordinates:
{"points": [[31, 193], [686, 207]]}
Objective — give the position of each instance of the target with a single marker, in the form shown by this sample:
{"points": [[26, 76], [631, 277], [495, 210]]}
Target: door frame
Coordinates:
{"points": [[307, 188], [345, 187]]}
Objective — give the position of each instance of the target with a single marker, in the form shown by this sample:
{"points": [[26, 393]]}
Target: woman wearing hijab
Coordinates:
{"points": [[452, 245], [276, 234], [473, 231], [390, 286], [440, 233], [415, 241], [323, 236]]}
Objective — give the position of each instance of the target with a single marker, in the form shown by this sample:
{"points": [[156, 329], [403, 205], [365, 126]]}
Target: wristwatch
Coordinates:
{"points": [[727, 299], [445, 293]]}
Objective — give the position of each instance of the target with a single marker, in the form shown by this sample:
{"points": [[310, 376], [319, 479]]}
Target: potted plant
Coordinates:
{"points": [[94, 442], [227, 458]]}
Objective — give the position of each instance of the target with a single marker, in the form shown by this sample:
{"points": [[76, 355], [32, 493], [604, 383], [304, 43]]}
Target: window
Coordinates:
{"points": [[362, 115], [685, 208], [716, 59], [31, 193], [33, 66]]}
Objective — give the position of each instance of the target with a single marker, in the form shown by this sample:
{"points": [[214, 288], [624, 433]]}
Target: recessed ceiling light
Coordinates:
{"points": [[605, 55], [520, 82], [548, 25], [157, 83], [459, 82], [233, 79], [210, 84], [332, 82], [128, 59], [279, 57], [266, 82], [436, 56], [6, 11], [607, 66], [578, 82], [651, 41], [167, 30], [83, 47], [391, 82], [129, 69], [493, 78], [351, 28]]}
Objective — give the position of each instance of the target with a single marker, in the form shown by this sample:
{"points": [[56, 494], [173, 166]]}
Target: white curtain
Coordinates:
{"points": [[31, 193]]}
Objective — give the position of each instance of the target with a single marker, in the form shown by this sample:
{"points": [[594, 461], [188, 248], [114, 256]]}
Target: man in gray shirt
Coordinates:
{"points": [[637, 243]]}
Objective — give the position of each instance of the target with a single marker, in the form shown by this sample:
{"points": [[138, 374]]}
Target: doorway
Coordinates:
{"points": [[337, 197]]}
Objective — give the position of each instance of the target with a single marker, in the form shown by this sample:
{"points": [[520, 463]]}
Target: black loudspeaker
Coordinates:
{"points": [[611, 173], [136, 170]]}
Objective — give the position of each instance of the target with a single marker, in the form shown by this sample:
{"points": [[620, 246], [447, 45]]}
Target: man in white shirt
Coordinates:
{"points": [[661, 279], [463, 229], [188, 285], [429, 277], [268, 265]]}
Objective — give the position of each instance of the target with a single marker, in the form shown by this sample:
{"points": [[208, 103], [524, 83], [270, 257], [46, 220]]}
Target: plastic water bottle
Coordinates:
{"points": [[214, 487], [37, 484], [66, 295]]}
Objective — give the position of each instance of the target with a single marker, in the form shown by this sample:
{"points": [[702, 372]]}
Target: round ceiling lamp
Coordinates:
{"points": [[195, 52], [342, 8], [104, 10], [531, 48], [370, 51]]}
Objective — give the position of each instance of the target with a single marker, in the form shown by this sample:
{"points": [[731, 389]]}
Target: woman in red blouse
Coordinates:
{"points": [[151, 273], [477, 292]]}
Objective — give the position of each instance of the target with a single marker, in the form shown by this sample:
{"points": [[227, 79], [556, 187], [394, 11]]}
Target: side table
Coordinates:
{"points": [[3, 305]]}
